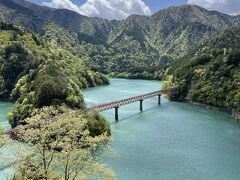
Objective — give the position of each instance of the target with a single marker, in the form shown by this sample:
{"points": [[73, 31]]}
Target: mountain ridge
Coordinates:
{"points": [[134, 44], [65, 17]]}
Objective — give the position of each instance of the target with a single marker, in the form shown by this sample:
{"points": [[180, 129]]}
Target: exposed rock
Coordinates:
{"points": [[236, 115]]}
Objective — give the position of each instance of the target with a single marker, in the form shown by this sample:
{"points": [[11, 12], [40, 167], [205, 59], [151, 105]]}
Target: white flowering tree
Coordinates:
{"points": [[62, 148]]}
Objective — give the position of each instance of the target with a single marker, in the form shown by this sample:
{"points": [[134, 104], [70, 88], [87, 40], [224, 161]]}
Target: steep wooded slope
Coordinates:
{"points": [[212, 74], [35, 72], [137, 47]]}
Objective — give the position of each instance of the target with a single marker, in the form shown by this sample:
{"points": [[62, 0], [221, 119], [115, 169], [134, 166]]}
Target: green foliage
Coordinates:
{"points": [[14, 63], [237, 101], [97, 124], [210, 76], [2, 137], [167, 84], [127, 62], [63, 147], [136, 47], [35, 72]]}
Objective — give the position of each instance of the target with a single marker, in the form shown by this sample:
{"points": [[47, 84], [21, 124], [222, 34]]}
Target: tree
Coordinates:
{"points": [[2, 137], [62, 147]]}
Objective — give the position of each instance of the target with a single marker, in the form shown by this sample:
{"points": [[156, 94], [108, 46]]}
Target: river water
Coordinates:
{"points": [[5, 107], [171, 141]]}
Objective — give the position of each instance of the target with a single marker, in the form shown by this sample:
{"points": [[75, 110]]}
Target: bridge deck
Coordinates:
{"points": [[115, 104]]}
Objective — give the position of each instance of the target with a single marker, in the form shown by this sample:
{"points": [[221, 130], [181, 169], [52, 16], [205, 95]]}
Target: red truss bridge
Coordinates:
{"points": [[116, 104]]}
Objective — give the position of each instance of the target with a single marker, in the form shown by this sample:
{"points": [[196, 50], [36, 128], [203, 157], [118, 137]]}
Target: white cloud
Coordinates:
{"points": [[227, 6], [108, 9]]}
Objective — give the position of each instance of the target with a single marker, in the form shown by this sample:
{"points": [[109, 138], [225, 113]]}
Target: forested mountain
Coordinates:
{"points": [[47, 56], [212, 74], [44, 81], [137, 47], [145, 46], [36, 72]]}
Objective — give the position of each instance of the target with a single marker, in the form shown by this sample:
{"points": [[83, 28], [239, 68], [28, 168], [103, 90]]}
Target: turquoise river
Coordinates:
{"points": [[170, 142]]}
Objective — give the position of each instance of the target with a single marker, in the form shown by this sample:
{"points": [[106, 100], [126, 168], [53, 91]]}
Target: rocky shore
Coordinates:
{"points": [[236, 115]]}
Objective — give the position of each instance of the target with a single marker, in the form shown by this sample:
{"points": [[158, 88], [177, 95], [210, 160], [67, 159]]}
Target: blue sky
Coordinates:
{"points": [[120, 9], [154, 5]]}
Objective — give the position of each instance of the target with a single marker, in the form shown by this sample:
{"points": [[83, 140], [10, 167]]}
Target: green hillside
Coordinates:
{"points": [[140, 47], [137, 47], [212, 75], [36, 72]]}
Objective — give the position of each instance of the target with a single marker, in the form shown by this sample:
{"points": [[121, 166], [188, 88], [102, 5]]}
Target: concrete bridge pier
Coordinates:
{"points": [[159, 100], [141, 105], [116, 114]]}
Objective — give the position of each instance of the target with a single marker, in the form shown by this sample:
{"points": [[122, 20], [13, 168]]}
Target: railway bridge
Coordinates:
{"points": [[116, 104]]}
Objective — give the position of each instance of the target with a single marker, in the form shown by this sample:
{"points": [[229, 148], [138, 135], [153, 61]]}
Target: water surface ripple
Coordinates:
{"points": [[173, 141]]}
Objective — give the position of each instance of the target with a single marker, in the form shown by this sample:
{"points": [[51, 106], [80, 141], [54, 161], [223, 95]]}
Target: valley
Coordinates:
{"points": [[55, 64]]}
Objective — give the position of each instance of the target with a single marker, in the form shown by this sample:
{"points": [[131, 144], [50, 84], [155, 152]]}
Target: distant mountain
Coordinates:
{"points": [[20, 12], [124, 48]]}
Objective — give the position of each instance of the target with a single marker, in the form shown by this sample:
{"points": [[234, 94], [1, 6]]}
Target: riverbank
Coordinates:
{"points": [[233, 113], [236, 115], [171, 141], [138, 76]]}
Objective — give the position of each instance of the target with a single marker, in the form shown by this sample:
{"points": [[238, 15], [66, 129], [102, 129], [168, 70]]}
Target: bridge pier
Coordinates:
{"points": [[141, 105], [116, 104], [159, 100], [116, 114]]}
